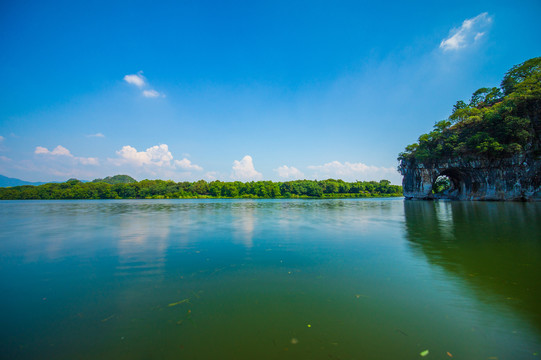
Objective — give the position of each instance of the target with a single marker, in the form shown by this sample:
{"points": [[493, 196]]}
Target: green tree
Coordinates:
{"points": [[520, 73]]}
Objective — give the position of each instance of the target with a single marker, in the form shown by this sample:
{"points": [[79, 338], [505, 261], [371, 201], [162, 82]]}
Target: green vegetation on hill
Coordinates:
{"points": [[496, 123], [160, 189], [117, 179]]}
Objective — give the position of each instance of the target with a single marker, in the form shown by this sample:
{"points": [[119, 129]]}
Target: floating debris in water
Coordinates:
{"points": [[294, 341], [401, 332], [424, 353], [187, 300], [449, 354], [108, 318], [309, 325]]}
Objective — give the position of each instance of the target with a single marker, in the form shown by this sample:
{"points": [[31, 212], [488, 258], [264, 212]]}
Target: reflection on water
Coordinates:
{"points": [[244, 222], [142, 244], [269, 279], [494, 248]]}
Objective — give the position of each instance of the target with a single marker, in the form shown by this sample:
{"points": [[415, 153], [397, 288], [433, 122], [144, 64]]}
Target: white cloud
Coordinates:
{"points": [[187, 164], [289, 172], [136, 79], [1, 138], [478, 36], [244, 169], [41, 150], [97, 135], [469, 33], [141, 82], [151, 93], [88, 161], [62, 151], [354, 171], [157, 156]]}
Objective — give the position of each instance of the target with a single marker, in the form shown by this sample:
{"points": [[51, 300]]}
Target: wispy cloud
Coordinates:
{"points": [[136, 79], [61, 151], [2, 138], [151, 93], [469, 33], [245, 170], [289, 172], [211, 175], [97, 135], [353, 171], [141, 82]]}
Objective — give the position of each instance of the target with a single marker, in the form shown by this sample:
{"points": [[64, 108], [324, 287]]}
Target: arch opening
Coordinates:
{"points": [[442, 184], [447, 185]]}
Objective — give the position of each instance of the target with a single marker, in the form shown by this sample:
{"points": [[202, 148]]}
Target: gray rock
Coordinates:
{"points": [[516, 178]]}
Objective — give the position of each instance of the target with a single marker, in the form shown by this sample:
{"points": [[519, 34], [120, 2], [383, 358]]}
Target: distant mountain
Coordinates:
{"points": [[7, 182]]}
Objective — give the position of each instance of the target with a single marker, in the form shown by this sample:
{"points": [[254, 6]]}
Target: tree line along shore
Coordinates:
{"points": [[125, 187]]}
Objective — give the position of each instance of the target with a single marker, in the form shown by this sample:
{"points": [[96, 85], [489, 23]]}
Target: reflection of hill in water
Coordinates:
{"points": [[494, 248]]}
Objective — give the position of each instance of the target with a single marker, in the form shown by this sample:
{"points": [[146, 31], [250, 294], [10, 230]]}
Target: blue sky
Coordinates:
{"points": [[251, 90]]}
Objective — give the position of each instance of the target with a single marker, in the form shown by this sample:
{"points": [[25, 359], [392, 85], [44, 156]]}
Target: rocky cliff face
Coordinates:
{"points": [[517, 178]]}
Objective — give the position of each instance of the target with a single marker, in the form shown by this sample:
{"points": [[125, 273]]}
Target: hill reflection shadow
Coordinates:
{"points": [[493, 248]]}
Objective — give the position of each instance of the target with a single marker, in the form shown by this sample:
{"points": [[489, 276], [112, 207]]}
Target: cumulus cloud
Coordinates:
{"points": [[41, 150], [97, 135], [289, 172], [469, 33], [354, 171], [63, 152], [244, 170], [187, 164], [157, 156], [141, 82], [60, 150], [136, 79]]}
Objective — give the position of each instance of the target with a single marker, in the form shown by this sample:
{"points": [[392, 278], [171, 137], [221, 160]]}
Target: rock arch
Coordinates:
{"points": [[515, 178]]}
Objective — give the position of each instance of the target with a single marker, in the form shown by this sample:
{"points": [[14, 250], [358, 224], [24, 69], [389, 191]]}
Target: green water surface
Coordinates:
{"points": [[270, 279]]}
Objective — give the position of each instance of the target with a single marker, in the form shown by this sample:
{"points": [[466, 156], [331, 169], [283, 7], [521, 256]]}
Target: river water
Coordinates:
{"points": [[270, 279]]}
